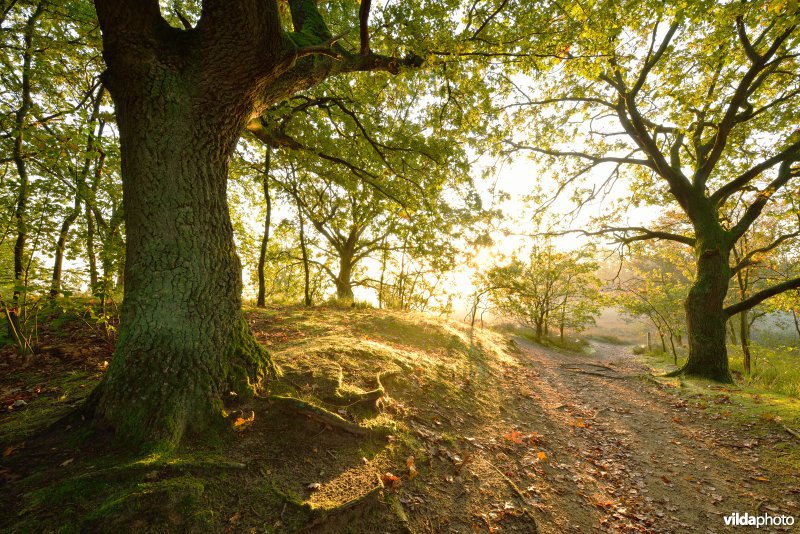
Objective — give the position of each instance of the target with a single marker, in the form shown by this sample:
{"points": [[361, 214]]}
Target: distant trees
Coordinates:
{"points": [[59, 184], [551, 289], [704, 118], [653, 285]]}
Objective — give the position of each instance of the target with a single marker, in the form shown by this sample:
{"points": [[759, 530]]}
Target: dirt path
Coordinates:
{"points": [[626, 455]]}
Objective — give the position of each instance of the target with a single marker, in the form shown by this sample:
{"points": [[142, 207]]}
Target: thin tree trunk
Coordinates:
{"points": [[743, 280], [91, 255], [21, 210], [109, 257], [80, 191], [262, 256], [796, 323], [304, 253], [672, 344], [744, 337], [384, 260], [732, 331]]}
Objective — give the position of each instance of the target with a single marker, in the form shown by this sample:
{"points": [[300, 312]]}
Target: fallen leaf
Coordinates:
{"points": [[541, 455], [412, 469], [515, 436], [390, 480], [241, 423]]}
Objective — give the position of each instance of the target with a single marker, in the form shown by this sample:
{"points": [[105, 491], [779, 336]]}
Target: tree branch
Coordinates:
{"points": [[363, 20], [582, 155], [643, 234], [748, 260], [721, 194], [737, 101], [785, 173], [761, 296]]}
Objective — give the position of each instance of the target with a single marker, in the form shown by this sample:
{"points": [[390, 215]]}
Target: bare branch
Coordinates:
{"points": [[582, 155]]}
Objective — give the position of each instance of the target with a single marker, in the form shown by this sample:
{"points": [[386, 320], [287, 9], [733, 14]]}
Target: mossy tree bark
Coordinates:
{"points": [[705, 313], [182, 97]]}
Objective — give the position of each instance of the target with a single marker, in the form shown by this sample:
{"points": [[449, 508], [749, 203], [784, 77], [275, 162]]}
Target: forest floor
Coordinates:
{"points": [[472, 432]]}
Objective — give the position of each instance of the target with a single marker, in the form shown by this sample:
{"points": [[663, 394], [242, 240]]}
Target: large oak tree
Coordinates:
{"points": [[182, 97]]}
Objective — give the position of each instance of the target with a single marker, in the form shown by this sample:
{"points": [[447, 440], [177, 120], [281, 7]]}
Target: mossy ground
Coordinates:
{"points": [[68, 477]]}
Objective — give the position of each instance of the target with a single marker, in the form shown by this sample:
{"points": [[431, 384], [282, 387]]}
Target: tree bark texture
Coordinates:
{"points": [[705, 314], [183, 339]]}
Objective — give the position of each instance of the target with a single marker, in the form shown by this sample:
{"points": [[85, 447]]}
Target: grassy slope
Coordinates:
{"points": [[70, 480]]}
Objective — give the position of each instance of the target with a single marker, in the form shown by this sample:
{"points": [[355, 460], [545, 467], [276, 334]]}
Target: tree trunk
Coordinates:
{"points": [[744, 337], [183, 339], [21, 209], [672, 345], [58, 260], [384, 261], [705, 315], [304, 253], [91, 255], [80, 190], [732, 331], [262, 256], [344, 285], [796, 323]]}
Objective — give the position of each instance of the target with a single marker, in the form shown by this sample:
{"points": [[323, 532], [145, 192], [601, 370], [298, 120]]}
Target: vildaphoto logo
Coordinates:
{"points": [[765, 520]]}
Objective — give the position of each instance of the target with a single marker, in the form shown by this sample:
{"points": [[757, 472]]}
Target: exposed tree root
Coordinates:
{"points": [[792, 432], [370, 397], [604, 375], [577, 369], [319, 414], [520, 495], [336, 519]]}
